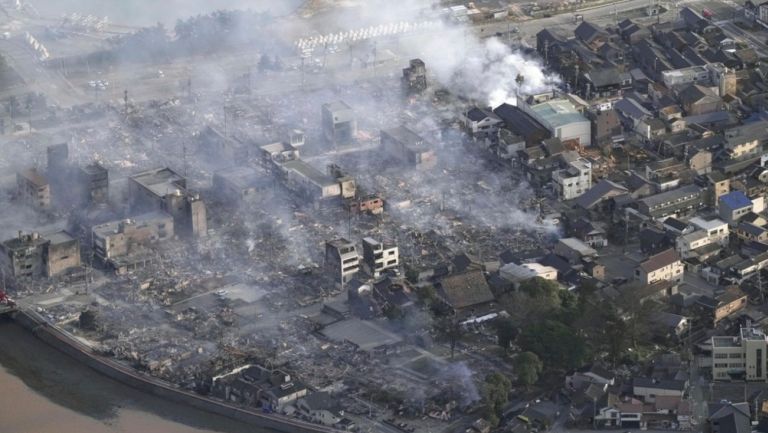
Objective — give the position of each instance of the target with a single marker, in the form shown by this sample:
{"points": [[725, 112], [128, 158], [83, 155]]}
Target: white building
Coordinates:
{"points": [[708, 232], [378, 257], [517, 273], [742, 357], [562, 119], [664, 266], [574, 180], [341, 260]]}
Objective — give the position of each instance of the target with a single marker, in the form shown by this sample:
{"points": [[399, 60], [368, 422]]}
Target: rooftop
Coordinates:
{"points": [[364, 334], [660, 260], [309, 172], [160, 181], [557, 113], [735, 200], [34, 176]]}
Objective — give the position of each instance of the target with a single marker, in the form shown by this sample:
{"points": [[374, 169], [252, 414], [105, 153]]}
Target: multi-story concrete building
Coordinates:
{"points": [[165, 190], [33, 256], [409, 147], [33, 189], [415, 77], [716, 229], [573, 180], [341, 260], [339, 124], [378, 257], [62, 253], [239, 184], [94, 179], [120, 238], [742, 357], [709, 232], [664, 266]]}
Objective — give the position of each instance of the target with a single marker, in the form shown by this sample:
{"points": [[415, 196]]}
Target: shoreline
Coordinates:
{"points": [[63, 342]]}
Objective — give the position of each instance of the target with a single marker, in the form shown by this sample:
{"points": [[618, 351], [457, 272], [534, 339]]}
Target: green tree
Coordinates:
{"points": [[495, 395], [615, 336], [538, 287], [506, 332], [557, 345], [528, 366]]}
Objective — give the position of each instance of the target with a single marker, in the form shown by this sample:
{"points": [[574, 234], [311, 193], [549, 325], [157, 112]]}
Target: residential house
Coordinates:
{"points": [[727, 417], [466, 293], [734, 205], [574, 250], [664, 266], [481, 123], [574, 180], [589, 232], [723, 305], [697, 99], [674, 202], [649, 389]]}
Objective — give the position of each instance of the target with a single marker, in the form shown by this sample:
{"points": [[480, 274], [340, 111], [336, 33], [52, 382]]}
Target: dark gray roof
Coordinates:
{"points": [[631, 108], [604, 189], [587, 31], [604, 77], [477, 114], [519, 122], [466, 289]]}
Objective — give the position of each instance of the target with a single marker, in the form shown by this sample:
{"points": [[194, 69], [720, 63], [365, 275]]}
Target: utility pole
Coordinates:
{"points": [[125, 100], [302, 72]]}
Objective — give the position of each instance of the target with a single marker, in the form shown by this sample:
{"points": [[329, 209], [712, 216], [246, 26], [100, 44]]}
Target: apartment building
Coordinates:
{"points": [[378, 257], [740, 358], [341, 260], [573, 180]]}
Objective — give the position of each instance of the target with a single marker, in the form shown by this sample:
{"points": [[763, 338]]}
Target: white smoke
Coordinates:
{"points": [[488, 71]]}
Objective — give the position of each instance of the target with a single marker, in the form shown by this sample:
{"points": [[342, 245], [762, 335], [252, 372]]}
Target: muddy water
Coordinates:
{"points": [[44, 391]]}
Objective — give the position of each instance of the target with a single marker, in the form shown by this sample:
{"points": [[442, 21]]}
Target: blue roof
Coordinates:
{"points": [[735, 200]]}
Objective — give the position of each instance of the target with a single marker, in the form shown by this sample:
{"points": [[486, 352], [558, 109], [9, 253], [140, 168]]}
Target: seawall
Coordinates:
{"points": [[62, 341]]}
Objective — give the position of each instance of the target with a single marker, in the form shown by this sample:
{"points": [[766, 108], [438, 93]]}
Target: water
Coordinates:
{"points": [[44, 391], [150, 12]]}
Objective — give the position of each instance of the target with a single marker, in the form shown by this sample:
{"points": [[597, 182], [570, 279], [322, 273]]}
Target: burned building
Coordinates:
{"points": [[372, 204], [404, 144], [121, 238], [33, 189], [415, 77], [341, 260], [34, 256], [239, 184], [347, 183], [58, 159], [378, 257], [339, 124], [62, 253], [165, 190], [94, 180]]}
